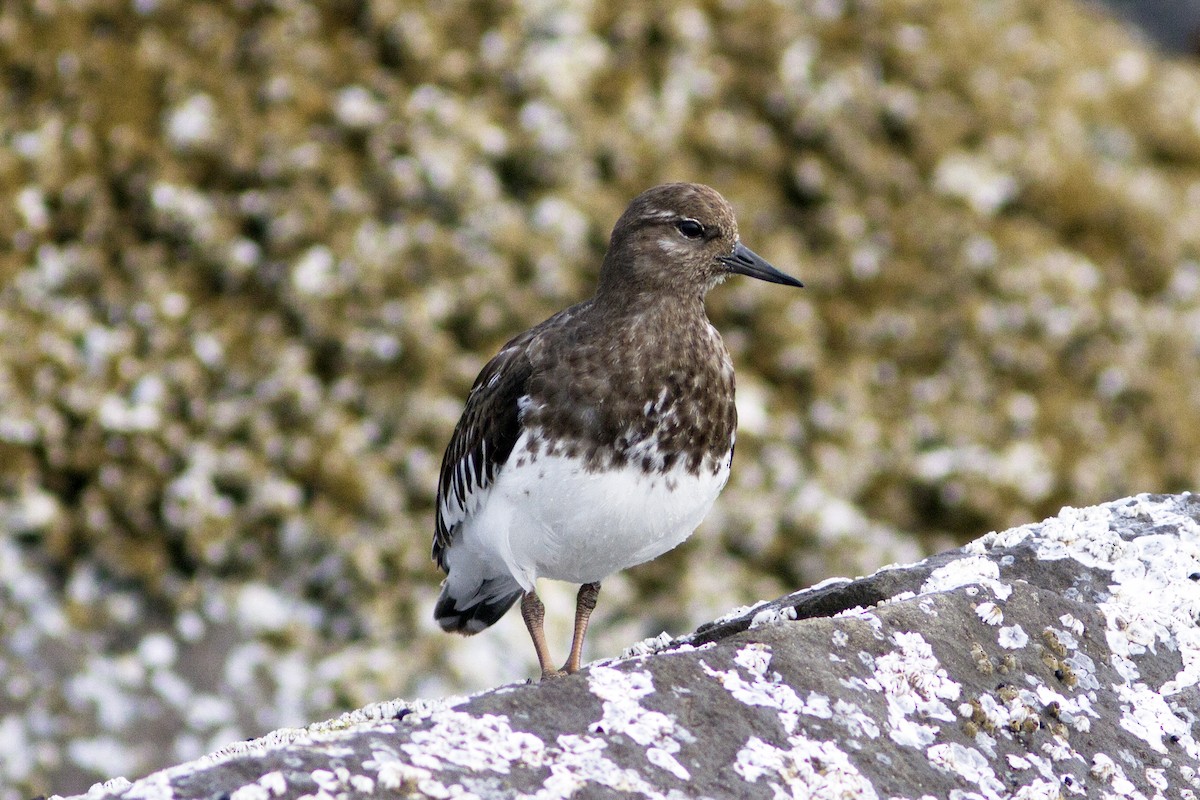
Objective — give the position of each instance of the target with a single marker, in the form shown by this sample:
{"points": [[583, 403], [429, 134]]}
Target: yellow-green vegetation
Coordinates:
{"points": [[255, 252]]}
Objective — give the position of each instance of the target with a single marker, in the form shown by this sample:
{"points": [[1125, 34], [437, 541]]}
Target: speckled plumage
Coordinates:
{"points": [[599, 438]]}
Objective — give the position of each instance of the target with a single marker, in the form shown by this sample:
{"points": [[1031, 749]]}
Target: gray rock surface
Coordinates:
{"points": [[1053, 660], [253, 253]]}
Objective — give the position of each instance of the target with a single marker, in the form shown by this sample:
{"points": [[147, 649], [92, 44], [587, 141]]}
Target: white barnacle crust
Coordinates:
{"points": [[867, 616], [969, 764], [767, 689], [1044, 789], [1013, 637], [967, 571], [270, 785], [620, 692], [771, 616], [473, 742], [990, 613], [1042, 695], [916, 687], [1072, 624], [1150, 605], [814, 767], [654, 644], [738, 613], [328, 738], [1152, 602], [808, 768]]}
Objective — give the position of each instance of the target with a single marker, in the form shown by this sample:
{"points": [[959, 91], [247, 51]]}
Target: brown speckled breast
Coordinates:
{"points": [[654, 387]]}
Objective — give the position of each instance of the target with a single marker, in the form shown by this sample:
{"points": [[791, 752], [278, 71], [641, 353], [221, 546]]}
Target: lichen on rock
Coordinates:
{"points": [[912, 696], [256, 253]]}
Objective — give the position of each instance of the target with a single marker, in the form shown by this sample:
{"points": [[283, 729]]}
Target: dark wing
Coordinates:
{"points": [[482, 441]]}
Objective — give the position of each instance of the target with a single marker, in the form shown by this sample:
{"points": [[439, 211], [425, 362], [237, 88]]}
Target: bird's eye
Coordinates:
{"points": [[690, 228]]}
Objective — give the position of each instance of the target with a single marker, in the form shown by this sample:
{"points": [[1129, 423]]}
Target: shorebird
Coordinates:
{"points": [[600, 438]]}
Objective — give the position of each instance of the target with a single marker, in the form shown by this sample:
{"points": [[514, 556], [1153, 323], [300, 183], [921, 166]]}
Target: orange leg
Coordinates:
{"points": [[585, 603], [534, 614]]}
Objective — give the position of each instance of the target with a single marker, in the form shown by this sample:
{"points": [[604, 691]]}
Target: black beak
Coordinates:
{"points": [[745, 261]]}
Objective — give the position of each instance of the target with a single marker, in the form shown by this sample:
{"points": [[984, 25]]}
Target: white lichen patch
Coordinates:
{"points": [[820, 585], [459, 742], [338, 781], [808, 769], [1152, 603], [472, 742], [765, 688], [111, 786], [376, 716], [1017, 762], [1105, 770], [665, 760], [327, 738], [967, 763], [579, 762], [915, 687], [858, 723], [867, 616], [1059, 749], [1045, 768], [393, 772], [1072, 624], [1013, 637], [645, 647], [899, 597], [1044, 789], [655, 645], [620, 692], [1084, 668], [771, 616], [270, 785], [965, 572], [1146, 714], [739, 612], [990, 613], [1075, 710]]}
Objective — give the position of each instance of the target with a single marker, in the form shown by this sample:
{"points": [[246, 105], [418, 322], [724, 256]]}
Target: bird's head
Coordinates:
{"points": [[680, 239]]}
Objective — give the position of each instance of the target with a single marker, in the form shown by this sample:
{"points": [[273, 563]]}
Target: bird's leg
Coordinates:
{"points": [[534, 614], [584, 604]]}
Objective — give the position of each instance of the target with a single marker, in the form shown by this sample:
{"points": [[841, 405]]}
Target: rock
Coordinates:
{"points": [[1053, 660], [255, 253]]}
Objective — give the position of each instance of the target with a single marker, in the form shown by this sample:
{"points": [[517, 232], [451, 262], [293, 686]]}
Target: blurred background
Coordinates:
{"points": [[253, 253]]}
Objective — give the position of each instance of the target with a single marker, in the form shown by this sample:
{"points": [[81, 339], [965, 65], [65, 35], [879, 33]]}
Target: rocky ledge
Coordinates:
{"points": [[1053, 660]]}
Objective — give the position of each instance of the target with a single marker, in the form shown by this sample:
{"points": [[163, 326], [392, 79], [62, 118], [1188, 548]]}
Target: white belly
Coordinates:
{"points": [[550, 518]]}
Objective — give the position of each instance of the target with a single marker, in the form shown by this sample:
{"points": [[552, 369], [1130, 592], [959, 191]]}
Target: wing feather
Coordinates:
{"points": [[482, 441]]}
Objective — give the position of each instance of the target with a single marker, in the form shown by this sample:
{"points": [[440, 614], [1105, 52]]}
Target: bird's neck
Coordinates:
{"points": [[632, 298], [630, 280]]}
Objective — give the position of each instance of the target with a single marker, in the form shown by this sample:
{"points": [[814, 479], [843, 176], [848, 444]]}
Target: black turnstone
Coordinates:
{"points": [[600, 438]]}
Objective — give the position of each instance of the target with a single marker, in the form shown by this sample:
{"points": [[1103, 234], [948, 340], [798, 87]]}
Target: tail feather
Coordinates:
{"points": [[479, 610]]}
